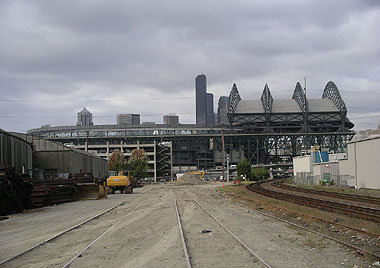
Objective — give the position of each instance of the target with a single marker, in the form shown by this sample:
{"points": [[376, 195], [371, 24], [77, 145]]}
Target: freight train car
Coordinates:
{"points": [[52, 157]]}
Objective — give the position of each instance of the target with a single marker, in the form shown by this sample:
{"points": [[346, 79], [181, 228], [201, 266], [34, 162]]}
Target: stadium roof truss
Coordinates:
{"points": [[298, 114]]}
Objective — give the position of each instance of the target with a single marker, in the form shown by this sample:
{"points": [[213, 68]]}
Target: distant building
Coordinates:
{"points": [[128, 119], [200, 99], [368, 132], [204, 102], [148, 124], [171, 119], [84, 118], [222, 110], [45, 126], [210, 118]]}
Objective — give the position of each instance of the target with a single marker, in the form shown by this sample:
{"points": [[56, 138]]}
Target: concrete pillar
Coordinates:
{"points": [[154, 161], [108, 150], [86, 145], [171, 160]]}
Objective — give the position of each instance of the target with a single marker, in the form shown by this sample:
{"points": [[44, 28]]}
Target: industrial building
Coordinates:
{"points": [[358, 167], [363, 162], [320, 166], [171, 119]]}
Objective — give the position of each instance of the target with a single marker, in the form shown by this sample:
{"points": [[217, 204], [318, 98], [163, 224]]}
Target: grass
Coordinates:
{"points": [[345, 190], [289, 210]]}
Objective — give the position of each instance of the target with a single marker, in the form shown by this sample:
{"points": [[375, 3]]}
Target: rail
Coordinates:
{"points": [[347, 209]]}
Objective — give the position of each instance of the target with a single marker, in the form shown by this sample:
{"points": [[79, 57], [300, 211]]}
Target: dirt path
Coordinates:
{"points": [[208, 243]]}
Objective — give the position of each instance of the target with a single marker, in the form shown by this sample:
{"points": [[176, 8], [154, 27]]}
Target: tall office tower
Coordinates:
{"points": [[210, 118], [84, 118], [171, 119], [200, 99], [222, 110], [128, 119]]}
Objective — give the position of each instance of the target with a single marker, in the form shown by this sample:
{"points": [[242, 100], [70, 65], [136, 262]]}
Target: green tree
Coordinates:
{"points": [[138, 164], [243, 168], [117, 161]]}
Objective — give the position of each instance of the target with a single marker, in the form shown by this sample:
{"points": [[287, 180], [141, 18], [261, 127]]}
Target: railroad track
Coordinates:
{"points": [[357, 249], [70, 230], [347, 209], [342, 196], [189, 263]]}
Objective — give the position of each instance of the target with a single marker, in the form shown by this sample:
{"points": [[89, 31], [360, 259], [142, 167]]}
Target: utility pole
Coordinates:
{"points": [[228, 169], [223, 150], [306, 118]]}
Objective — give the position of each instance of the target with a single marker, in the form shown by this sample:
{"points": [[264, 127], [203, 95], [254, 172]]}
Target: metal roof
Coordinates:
{"points": [[249, 107], [285, 106], [322, 105]]}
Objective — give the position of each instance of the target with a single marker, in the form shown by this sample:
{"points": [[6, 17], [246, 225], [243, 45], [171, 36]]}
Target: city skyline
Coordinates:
{"points": [[112, 60]]}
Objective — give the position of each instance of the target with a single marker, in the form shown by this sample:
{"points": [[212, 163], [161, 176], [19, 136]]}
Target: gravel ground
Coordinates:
{"points": [[149, 236], [321, 197]]}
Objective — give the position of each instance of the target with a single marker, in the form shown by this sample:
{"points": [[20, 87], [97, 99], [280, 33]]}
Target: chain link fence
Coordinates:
{"points": [[305, 178]]}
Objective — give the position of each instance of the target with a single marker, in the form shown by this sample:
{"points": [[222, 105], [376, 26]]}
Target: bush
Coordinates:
{"points": [[259, 173], [243, 168]]}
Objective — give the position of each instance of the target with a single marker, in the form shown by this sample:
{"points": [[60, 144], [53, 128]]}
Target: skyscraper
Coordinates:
{"points": [[210, 117], [200, 99], [84, 118], [222, 110]]}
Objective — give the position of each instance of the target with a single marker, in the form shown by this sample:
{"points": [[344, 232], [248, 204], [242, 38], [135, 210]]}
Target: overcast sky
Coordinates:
{"points": [[143, 56]]}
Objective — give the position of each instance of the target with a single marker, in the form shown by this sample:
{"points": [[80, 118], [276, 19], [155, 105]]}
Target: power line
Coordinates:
{"points": [[365, 117], [348, 91], [105, 116]]}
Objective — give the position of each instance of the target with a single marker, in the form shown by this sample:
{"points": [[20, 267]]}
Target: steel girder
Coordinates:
{"points": [[331, 92], [267, 100], [300, 98], [269, 148], [233, 101]]}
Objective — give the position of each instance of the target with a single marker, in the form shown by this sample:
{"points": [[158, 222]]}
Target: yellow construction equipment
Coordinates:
{"points": [[89, 191], [120, 183], [201, 173]]}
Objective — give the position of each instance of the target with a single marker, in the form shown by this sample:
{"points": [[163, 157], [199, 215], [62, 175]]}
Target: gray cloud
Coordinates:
{"points": [[86, 51]]}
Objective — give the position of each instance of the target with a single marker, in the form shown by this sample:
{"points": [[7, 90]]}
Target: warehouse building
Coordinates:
{"points": [[363, 162]]}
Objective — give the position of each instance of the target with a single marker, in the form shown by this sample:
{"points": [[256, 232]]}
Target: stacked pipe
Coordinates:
{"points": [[50, 192]]}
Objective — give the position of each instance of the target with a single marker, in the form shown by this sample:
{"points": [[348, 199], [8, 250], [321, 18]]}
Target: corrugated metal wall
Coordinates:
{"points": [[15, 152], [51, 155]]}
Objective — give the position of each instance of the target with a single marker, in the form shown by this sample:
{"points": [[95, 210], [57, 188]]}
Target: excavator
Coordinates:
{"points": [[200, 173], [120, 183]]}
